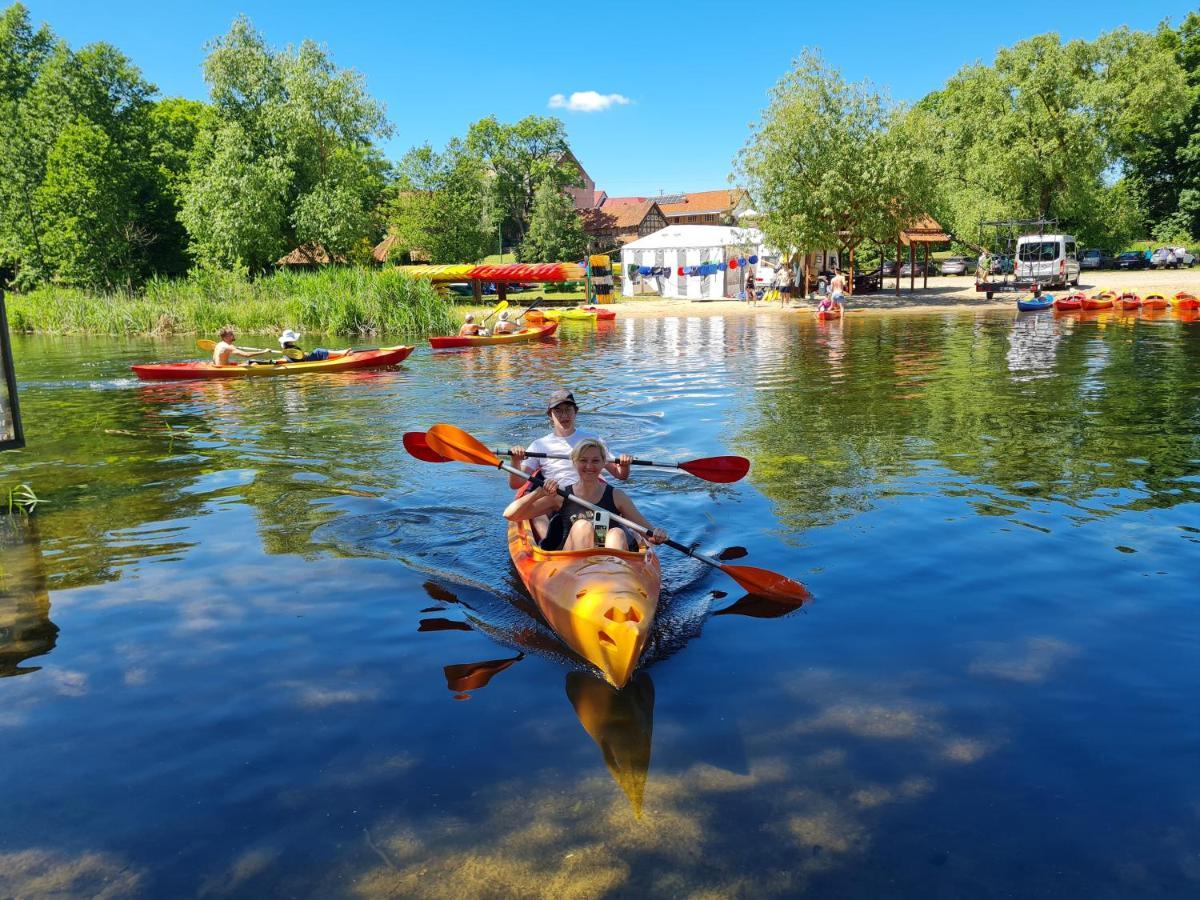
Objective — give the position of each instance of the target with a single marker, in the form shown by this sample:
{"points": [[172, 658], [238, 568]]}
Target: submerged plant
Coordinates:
{"points": [[23, 499]]}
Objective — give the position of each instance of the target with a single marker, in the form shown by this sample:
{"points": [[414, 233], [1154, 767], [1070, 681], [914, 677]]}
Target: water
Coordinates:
{"points": [[255, 649]]}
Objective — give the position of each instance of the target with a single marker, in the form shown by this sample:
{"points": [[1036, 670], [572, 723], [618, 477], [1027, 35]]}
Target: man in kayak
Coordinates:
{"points": [[574, 527], [561, 441], [226, 348], [505, 325], [288, 340], [470, 328]]}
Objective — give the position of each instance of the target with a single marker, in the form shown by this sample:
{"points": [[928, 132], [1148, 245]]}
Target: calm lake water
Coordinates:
{"points": [[249, 647]]}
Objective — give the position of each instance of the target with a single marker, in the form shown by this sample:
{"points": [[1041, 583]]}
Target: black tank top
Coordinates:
{"points": [[561, 521]]}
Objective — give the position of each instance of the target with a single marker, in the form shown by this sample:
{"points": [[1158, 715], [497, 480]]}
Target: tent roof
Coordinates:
{"points": [[682, 236]]}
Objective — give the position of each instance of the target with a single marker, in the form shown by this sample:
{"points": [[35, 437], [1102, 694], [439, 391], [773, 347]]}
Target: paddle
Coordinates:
{"points": [[291, 353], [500, 307], [456, 444], [718, 469]]}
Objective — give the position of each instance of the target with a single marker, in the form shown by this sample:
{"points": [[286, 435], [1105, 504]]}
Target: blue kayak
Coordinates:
{"points": [[1033, 304]]}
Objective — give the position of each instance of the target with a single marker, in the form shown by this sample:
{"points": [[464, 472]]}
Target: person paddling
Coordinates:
{"points": [[288, 341], [574, 527], [505, 325], [562, 410], [470, 328], [226, 348]]}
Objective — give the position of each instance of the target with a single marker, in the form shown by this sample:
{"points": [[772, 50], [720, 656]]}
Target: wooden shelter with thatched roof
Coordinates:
{"points": [[924, 231], [310, 256]]}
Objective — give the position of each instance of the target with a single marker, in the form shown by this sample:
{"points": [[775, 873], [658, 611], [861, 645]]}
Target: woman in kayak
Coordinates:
{"points": [[505, 325], [288, 340], [574, 527], [562, 411], [225, 348]]}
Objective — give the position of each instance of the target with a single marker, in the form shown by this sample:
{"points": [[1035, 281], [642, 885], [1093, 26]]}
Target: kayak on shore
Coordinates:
{"points": [[601, 602], [356, 359], [1102, 300], [1155, 301], [1070, 302], [1033, 304], [532, 333], [1184, 300]]}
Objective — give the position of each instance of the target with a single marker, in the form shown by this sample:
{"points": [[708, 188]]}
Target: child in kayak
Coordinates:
{"points": [[288, 340], [574, 527], [562, 410], [225, 348]]}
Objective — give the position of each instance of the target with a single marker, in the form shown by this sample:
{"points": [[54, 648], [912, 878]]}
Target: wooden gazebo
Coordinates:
{"points": [[310, 256], [924, 231]]}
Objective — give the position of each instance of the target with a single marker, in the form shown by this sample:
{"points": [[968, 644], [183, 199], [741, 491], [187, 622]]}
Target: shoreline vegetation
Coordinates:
{"points": [[331, 301]]}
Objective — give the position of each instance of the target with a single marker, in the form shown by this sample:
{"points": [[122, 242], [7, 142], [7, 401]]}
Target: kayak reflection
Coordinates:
{"points": [[621, 722], [25, 627]]}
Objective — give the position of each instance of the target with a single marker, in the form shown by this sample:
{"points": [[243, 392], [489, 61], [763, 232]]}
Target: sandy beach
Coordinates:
{"points": [[943, 294]]}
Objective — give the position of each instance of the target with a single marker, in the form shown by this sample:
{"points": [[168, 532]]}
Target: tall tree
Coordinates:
{"points": [[442, 204], [829, 164], [521, 157], [555, 229]]}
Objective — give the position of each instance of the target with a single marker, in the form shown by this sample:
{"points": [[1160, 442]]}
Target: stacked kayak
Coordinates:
{"points": [[1033, 304], [1070, 302], [1154, 301], [601, 602], [356, 359], [507, 272], [532, 333]]}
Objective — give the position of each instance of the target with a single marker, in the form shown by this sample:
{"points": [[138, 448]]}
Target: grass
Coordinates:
{"points": [[22, 499], [341, 300]]}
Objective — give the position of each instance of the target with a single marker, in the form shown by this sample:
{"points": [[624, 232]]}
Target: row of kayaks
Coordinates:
{"points": [[1128, 300], [541, 324]]}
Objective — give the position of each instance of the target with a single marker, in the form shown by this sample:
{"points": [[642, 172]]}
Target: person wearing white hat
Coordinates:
{"points": [[289, 341], [505, 325], [470, 328]]}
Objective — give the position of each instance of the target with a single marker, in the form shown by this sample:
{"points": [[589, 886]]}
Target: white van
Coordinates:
{"points": [[1051, 260]]}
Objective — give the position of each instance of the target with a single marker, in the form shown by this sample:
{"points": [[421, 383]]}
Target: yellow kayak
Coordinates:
{"points": [[600, 602]]}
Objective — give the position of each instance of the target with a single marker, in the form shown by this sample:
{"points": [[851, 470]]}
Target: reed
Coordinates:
{"points": [[335, 300]]}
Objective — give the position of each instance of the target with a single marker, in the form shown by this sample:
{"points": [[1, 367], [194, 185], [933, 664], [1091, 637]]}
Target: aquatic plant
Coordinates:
{"points": [[22, 499]]}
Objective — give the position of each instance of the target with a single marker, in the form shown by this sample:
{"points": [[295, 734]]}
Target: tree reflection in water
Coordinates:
{"points": [[25, 627]]}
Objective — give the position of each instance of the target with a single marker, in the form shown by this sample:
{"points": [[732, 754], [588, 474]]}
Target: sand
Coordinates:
{"points": [[944, 294]]}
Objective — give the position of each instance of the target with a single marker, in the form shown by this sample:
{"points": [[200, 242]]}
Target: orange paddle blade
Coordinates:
{"points": [[416, 444], [767, 584], [454, 443]]}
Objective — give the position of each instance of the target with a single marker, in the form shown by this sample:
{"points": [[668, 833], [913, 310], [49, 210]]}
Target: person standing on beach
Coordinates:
{"points": [[783, 281], [751, 296]]}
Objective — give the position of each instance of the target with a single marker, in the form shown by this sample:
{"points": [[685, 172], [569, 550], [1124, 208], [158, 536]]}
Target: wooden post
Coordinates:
{"points": [[477, 291], [897, 265], [912, 273], [501, 291], [925, 284], [850, 284]]}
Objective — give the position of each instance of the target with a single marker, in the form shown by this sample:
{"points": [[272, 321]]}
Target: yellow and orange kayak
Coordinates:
{"points": [[600, 602], [355, 359], [532, 333], [1184, 300], [1154, 301]]}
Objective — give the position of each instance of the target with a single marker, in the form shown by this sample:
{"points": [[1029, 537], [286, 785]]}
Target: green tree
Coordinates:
{"points": [[830, 163], [555, 229], [176, 126], [520, 158], [442, 204], [299, 133]]}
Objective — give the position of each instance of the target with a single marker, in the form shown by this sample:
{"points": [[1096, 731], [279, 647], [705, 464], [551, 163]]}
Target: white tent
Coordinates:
{"points": [[666, 250]]}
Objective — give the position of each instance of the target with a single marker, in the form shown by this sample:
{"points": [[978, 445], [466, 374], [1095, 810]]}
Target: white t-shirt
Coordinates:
{"points": [[560, 470]]}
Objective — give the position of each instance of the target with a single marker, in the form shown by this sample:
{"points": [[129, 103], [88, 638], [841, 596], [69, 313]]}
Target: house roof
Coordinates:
{"points": [[311, 254], [384, 249], [619, 214], [700, 203]]}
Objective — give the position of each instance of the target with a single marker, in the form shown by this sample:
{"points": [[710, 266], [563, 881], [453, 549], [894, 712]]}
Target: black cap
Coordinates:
{"points": [[561, 396]]}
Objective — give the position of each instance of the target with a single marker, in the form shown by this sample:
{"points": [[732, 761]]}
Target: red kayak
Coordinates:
{"points": [[1184, 300], [602, 312], [355, 359], [1069, 302], [1129, 300], [533, 333]]}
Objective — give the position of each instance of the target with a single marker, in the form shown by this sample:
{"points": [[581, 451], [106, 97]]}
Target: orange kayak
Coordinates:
{"points": [[1103, 300], [828, 315], [1154, 301], [532, 333], [1130, 300], [600, 602], [1184, 300]]}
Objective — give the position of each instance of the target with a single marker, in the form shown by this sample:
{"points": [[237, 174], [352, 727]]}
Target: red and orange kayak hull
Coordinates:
{"points": [[363, 359], [533, 333]]}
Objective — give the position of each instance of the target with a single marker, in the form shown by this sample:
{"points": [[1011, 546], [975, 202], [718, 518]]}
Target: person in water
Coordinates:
{"points": [[571, 526], [505, 325], [562, 410], [470, 328], [288, 341], [226, 348]]}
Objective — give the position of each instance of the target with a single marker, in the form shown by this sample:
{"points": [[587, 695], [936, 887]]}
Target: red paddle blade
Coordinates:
{"points": [[454, 443], [721, 469], [764, 583], [416, 445]]}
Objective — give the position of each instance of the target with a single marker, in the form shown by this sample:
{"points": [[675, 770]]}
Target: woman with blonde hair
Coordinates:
{"points": [[564, 525]]}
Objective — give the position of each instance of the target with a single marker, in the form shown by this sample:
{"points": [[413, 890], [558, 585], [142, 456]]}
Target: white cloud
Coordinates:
{"points": [[587, 101]]}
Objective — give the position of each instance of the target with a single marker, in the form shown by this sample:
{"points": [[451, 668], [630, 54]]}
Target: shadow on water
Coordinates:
{"points": [[25, 627]]}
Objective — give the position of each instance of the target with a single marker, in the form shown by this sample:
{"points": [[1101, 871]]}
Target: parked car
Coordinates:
{"points": [[888, 268], [1002, 264], [1096, 259], [915, 268], [1133, 259], [1171, 258], [957, 265]]}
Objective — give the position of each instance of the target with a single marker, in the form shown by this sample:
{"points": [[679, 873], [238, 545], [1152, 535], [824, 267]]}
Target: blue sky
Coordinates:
{"points": [[695, 74]]}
